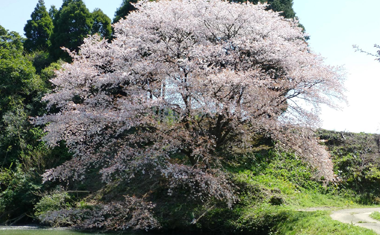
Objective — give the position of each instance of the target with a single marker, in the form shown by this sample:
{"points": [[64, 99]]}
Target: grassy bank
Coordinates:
{"points": [[278, 195]]}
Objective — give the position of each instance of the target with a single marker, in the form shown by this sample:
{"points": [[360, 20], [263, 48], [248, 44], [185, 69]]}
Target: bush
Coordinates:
{"points": [[56, 200], [133, 213], [18, 192]]}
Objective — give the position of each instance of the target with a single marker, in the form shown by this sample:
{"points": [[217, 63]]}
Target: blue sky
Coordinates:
{"points": [[334, 26], [15, 13]]}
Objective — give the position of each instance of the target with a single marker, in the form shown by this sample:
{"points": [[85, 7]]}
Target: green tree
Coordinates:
{"points": [[23, 157], [11, 43], [72, 23], [286, 9], [38, 29], [102, 24], [19, 89], [124, 10], [53, 12], [40, 60], [283, 6]]}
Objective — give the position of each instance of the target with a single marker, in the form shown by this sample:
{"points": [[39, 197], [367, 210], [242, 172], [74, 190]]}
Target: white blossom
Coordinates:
{"points": [[189, 78]]}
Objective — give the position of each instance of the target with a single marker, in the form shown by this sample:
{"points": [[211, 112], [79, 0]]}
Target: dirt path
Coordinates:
{"points": [[359, 217]]}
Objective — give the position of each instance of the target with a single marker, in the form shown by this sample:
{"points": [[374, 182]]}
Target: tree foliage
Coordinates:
{"points": [[38, 29], [356, 158], [19, 89], [53, 12], [72, 23], [102, 24], [18, 79], [283, 6], [125, 8], [23, 157], [130, 213]]}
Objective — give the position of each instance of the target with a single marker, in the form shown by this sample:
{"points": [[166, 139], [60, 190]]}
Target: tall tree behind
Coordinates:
{"points": [[124, 10], [283, 6], [72, 23], [102, 24], [38, 29], [52, 12], [286, 9]]}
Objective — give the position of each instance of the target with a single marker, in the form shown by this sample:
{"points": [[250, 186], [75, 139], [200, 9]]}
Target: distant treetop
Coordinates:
{"points": [[38, 29], [125, 8], [283, 6]]}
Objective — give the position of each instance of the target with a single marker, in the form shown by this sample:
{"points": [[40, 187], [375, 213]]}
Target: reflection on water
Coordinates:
{"points": [[34, 230]]}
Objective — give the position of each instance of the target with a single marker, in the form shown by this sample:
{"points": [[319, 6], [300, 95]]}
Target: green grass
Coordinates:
{"points": [[286, 177], [318, 222], [295, 197], [375, 215], [284, 220]]}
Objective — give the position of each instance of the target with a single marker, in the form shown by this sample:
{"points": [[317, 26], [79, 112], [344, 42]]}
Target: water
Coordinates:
{"points": [[39, 232], [31, 230]]}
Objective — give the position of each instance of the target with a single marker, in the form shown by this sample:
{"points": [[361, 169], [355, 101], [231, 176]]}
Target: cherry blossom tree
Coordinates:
{"points": [[183, 85]]}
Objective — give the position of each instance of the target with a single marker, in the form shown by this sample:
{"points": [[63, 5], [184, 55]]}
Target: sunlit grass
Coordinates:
{"points": [[305, 205], [375, 215], [318, 222]]}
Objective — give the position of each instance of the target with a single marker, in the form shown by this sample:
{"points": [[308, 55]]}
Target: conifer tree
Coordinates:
{"points": [[283, 6], [125, 8], [72, 23], [102, 24], [52, 12], [38, 29]]}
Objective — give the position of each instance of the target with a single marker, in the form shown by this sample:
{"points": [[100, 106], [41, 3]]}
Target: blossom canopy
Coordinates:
{"points": [[184, 84]]}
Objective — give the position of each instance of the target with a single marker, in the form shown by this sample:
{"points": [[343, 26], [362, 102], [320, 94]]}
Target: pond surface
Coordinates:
{"points": [[39, 232], [26, 230]]}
